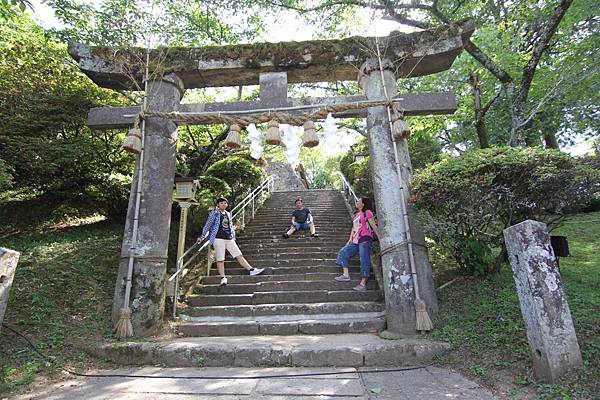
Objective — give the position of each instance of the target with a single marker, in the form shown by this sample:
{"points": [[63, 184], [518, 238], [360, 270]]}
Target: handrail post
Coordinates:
{"points": [[184, 205], [252, 207], [208, 260]]}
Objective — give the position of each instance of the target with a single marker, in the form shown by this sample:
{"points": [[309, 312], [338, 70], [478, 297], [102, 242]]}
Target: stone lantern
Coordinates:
{"points": [[358, 155], [185, 189]]}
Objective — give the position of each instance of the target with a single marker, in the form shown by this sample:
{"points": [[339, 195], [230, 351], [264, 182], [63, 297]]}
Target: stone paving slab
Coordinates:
{"points": [[429, 383]]}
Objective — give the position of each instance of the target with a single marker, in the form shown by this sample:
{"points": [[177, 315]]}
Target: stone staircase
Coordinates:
{"points": [[294, 314], [297, 293]]}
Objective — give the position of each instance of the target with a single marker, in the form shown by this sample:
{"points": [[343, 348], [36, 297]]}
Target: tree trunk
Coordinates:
{"points": [[479, 114], [551, 141]]}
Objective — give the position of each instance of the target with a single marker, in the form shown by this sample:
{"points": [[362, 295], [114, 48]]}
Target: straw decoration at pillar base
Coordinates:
{"points": [[123, 327], [310, 137], [273, 136], [423, 323], [133, 141], [233, 140]]}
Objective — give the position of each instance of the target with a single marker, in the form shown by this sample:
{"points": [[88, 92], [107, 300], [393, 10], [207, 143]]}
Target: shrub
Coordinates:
{"points": [[240, 174], [467, 201], [6, 179]]}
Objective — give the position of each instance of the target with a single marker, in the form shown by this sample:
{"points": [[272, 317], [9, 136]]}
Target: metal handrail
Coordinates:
{"points": [[251, 196], [346, 186], [267, 184]]}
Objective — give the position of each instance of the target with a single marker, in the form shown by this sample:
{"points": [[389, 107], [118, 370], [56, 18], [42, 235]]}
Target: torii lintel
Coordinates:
{"points": [[415, 54]]}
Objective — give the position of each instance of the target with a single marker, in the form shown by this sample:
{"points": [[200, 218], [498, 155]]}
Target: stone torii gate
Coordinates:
{"points": [[273, 66]]}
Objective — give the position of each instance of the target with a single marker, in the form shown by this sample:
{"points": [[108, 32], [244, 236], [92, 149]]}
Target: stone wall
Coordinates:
{"points": [[284, 176]]}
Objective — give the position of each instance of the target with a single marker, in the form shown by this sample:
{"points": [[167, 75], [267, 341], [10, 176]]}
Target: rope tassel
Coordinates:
{"points": [[273, 135], [310, 137], [233, 140], [400, 128]]}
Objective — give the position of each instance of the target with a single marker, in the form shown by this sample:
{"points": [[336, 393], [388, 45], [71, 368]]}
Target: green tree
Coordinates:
{"points": [[240, 174], [43, 138], [11, 8], [535, 60]]}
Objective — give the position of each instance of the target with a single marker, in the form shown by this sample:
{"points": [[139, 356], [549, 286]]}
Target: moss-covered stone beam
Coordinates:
{"points": [[414, 54]]}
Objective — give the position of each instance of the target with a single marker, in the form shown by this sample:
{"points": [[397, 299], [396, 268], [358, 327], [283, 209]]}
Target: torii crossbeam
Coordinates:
{"points": [[272, 66]]}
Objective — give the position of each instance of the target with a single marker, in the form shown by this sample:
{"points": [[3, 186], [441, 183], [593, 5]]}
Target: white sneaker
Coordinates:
{"points": [[256, 271], [224, 281]]}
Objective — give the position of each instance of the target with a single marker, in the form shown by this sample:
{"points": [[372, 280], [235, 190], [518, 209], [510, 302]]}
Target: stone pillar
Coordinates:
{"points": [[397, 279], [544, 306], [8, 265], [148, 281]]}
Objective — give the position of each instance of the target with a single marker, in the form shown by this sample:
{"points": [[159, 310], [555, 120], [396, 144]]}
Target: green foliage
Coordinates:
{"points": [[10, 8], [211, 188], [158, 22], [358, 173], [482, 320], [467, 201], [240, 174], [321, 170], [423, 145], [43, 139], [6, 179]]}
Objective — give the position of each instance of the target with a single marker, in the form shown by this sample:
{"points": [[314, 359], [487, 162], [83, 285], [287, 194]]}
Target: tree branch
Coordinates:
{"points": [[486, 61], [485, 108], [542, 45]]}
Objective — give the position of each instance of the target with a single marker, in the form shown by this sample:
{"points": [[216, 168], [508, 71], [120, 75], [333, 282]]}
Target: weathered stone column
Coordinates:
{"points": [[397, 279], [544, 306], [148, 281], [8, 265]]}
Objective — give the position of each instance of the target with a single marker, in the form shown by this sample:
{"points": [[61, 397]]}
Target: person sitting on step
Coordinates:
{"points": [[359, 242], [220, 232], [301, 220]]}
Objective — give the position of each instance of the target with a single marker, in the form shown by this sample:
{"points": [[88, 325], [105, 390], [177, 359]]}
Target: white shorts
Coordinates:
{"points": [[221, 244]]}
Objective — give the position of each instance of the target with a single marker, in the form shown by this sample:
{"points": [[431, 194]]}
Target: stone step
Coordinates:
{"points": [[235, 279], [285, 247], [320, 324], [314, 296], [328, 231], [298, 239], [277, 216], [265, 236], [284, 309], [341, 350], [265, 261], [233, 270], [286, 224], [280, 286], [289, 255]]}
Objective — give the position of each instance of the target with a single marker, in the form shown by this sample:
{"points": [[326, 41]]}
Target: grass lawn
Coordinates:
{"points": [[61, 297], [482, 319], [63, 288]]}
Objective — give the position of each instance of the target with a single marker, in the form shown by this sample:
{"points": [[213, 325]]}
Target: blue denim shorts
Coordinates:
{"points": [[301, 226]]}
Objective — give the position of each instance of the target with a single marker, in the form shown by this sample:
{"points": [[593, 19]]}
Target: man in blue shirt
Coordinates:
{"points": [[301, 220], [220, 232]]}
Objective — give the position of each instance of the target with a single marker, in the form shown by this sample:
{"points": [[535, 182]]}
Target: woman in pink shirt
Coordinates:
{"points": [[361, 238]]}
